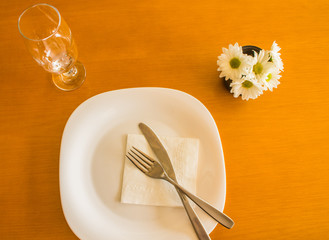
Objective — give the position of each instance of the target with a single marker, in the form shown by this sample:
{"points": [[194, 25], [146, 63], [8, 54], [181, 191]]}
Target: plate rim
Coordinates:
{"points": [[78, 108]]}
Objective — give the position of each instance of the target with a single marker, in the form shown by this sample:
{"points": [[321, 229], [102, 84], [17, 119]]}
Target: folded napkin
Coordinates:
{"points": [[137, 188]]}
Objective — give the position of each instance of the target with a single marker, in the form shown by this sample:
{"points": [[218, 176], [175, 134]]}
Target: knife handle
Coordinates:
{"points": [[217, 215], [196, 223]]}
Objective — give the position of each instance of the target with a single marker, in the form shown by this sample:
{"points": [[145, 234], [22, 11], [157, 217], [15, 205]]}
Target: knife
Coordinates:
{"points": [[217, 215], [163, 157]]}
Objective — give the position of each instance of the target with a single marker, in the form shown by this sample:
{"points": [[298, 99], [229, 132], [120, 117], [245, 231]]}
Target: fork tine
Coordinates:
{"points": [[142, 156], [148, 158], [136, 163], [140, 159]]}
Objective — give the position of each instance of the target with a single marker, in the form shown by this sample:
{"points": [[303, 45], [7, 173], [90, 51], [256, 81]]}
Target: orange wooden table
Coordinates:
{"points": [[276, 147]]}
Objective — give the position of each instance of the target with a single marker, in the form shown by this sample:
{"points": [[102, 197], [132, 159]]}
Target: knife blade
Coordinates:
{"points": [[162, 154]]}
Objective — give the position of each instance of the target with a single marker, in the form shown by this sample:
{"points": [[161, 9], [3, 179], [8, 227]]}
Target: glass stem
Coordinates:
{"points": [[70, 74]]}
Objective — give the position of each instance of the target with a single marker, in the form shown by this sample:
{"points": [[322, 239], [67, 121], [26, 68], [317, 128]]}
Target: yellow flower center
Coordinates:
{"points": [[269, 77], [258, 68], [235, 63], [247, 84]]}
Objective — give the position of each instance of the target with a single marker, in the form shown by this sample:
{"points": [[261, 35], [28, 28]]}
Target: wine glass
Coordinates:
{"points": [[49, 40]]}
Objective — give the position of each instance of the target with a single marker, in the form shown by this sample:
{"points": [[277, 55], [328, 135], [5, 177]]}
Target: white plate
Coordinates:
{"points": [[92, 160]]}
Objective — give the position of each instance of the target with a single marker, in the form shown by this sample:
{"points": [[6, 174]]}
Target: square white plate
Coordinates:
{"points": [[92, 160]]}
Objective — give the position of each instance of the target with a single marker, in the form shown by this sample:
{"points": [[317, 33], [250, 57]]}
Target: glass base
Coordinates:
{"points": [[72, 79]]}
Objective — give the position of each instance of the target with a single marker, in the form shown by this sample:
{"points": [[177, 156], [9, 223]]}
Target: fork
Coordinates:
{"points": [[153, 169]]}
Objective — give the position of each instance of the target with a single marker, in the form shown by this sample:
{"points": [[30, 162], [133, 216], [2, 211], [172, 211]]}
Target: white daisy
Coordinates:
{"points": [[249, 87], [233, 63], [261, 66], [275, 56], [272, 80]]}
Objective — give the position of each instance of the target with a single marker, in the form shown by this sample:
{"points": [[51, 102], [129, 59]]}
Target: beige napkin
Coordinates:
{"points": [[137, 188]]}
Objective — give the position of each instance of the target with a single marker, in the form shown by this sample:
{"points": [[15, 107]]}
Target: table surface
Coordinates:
{"points": [[275, 147]]}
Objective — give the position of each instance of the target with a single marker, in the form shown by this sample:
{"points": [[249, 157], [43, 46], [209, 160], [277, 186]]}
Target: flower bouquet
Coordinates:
{"points": [[249, 70]]}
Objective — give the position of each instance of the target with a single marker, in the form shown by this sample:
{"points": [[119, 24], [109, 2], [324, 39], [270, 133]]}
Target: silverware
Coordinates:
{"points": [[153, 169], [164, 159]]}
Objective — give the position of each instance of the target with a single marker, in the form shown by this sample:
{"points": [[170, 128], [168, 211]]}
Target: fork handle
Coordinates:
{"points": [[220, 217], [200, 231]]}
